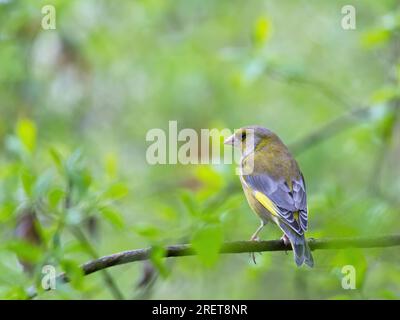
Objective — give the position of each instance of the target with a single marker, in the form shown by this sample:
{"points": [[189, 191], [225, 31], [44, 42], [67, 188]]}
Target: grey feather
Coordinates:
{"points": [[301, 250], [286, 200]]}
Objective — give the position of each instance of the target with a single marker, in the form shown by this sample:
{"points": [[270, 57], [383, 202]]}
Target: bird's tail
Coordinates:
{"points": [[301, 250]]}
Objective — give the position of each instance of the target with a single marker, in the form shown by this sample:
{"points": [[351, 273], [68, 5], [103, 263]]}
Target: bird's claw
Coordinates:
{"points": [[252, 254], [286, 241]]}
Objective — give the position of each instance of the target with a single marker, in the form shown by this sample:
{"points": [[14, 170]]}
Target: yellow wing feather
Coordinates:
{"points": [[267, 203]]}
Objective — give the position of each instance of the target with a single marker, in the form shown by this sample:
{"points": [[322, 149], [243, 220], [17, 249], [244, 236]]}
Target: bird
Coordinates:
{"points": [[274, 187]]}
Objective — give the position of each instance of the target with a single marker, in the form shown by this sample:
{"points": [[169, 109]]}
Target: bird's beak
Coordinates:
{"points": [[230, 140]]}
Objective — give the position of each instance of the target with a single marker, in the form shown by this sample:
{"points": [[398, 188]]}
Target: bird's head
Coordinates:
{"points": [[247, 139]]}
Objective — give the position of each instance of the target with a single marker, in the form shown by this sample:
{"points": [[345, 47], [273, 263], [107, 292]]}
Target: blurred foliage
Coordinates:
{"points": [[76, 104]]}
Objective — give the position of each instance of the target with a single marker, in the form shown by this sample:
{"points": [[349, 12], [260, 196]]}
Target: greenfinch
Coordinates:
{"points": [[274, 187]]}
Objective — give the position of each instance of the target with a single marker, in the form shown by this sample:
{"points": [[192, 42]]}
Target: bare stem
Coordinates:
{"points": [[181, 250]]}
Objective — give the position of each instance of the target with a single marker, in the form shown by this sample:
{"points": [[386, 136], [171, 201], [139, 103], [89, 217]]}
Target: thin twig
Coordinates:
{"points": [[182, 250], [236, 247], [108, 279], [80, 236], [332, 128], [320, 86]]}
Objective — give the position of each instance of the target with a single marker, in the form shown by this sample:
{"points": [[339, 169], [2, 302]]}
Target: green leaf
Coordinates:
{"points": [[157, 258], [73, 271], [116, 191], [262, 30], [25, 250], [15, 293], [42, 184], [375, 38], [57, 159], [189, 202], [26, 132], [111, 165], [211, 181], [207, 242], [385, 94], [147, 231], [74, 160], [28, 179], [385, 125], [81, 179], [388, 295], [73, 164], [113, 216], [55, 196], [6, 211]]}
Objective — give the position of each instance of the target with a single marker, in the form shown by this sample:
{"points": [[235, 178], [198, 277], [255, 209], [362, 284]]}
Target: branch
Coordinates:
{"points": [[80, 236], [335, 127], [320, 86], [181, 250], [108, 279]]}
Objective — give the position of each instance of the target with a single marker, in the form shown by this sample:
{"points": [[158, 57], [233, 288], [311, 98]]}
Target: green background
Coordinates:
{"points": [[76, 104]]}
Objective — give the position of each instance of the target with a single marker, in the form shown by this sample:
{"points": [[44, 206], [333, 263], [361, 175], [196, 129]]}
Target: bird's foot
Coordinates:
{"points": [[285, 240], [252, 254]]}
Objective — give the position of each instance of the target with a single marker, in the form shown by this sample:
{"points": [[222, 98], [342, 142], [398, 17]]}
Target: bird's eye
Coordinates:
{"points": [[243, 136]]}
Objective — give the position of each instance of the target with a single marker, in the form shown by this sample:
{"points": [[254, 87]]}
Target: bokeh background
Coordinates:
{"points": [[77, 102]]}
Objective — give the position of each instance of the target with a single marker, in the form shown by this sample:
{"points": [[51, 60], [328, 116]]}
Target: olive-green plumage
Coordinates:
{"points": [[274, 186]]}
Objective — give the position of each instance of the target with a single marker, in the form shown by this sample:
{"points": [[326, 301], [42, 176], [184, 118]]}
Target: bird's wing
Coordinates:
{"points": [[287, 204]]}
